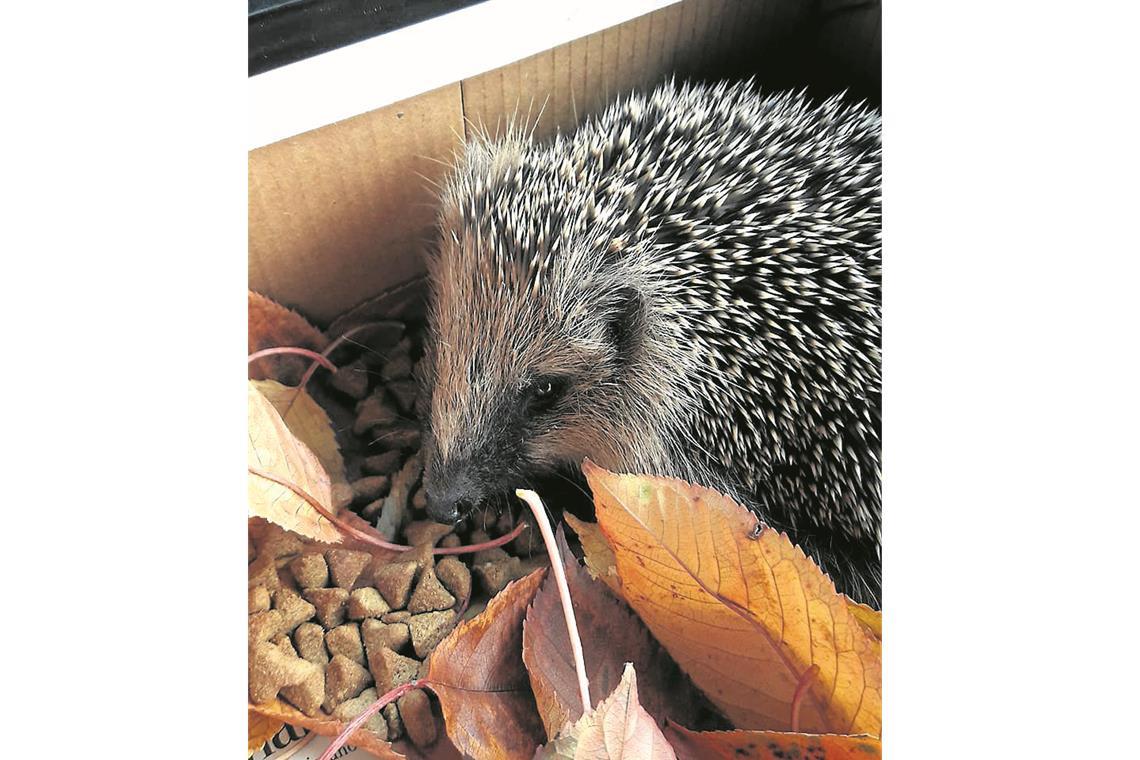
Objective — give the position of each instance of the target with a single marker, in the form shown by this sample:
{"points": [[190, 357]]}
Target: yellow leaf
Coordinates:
{"points": [[308, 421], [277, 458], [769, 745], [750, 619], [871, 619], [599, 556], [261, 730]]}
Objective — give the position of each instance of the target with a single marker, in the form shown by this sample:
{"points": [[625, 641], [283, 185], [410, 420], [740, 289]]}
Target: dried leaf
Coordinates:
{"points": [[261, 730], [619, 727], [272, 325], [611, 637], [747, 618], [307, 420], [599, 556], [769, 745], [478, 674], [274, 450], [871, 619], [327, 726]]}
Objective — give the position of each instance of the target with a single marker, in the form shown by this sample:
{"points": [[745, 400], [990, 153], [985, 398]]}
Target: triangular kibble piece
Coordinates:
{"points": [[294, 609], [454, 576], [423, 532], [379, 635], [309, 639], [263, 626], [394, 581], [430, 595], [345, 641], [430, 628], [271, 670], [310, 571], [330, 604], [366, 602], [349, 709], [345, 566], [344, 679], [391, 669]]}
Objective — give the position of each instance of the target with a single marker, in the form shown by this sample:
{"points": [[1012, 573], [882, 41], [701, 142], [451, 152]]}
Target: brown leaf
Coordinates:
{"points": [[307, 420], [611, 637], [749, 619], [619, 727], [275, 451], [478, 674], [271, 325], [769, 745], [326, 726]]}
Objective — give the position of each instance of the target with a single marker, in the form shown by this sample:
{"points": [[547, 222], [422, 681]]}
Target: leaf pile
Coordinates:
{"points": [[690, 620]]}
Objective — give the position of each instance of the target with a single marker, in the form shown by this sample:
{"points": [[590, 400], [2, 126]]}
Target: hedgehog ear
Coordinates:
{"points": [[626, 324]]}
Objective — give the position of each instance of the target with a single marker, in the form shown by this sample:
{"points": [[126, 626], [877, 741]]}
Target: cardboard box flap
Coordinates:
{"points": [[339, 213]]}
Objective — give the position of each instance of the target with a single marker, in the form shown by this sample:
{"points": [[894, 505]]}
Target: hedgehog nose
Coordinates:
{"points": [[450, 495]]}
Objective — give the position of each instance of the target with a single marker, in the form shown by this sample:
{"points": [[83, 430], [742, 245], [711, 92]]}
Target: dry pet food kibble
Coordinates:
{"points": [[345, 566], [329, 603], [295, 609], [344, 640], [378, 635], [394, 581], [391, 669], [310, 571], [423, 532], [455, 577], [370, 488], [430, 595], [344, 679], [258, 599], [430, 628], [419, 723], [351, 379], [349, 709], [496, 575], [366, 602], [309, 639], [382, 465]]}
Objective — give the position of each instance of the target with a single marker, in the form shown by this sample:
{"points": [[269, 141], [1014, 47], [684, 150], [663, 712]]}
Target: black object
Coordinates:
{"points": [[284, 31]]}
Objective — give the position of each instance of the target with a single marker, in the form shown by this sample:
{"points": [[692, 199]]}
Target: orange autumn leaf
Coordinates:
{"points": [[261, 730], [276, 458], [750, 618], [602, 566], [307, 420], [271, 325], [619, 727], [871, 619], [769, 745], [478, 674]]}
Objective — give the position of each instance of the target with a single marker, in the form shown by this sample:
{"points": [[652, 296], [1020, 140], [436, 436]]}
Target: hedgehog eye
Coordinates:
{"points": [[543, 393]]}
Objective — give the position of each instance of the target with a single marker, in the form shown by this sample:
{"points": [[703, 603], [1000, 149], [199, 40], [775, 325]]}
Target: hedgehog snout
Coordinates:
{"points": [[452, 492]]}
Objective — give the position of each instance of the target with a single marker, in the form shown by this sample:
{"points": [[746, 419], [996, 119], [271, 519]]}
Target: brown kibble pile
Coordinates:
{"points": [[332, 628], [327, 641]]}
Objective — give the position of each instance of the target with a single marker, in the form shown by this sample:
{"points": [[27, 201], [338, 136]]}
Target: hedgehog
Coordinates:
{"points": [[687, 285]]}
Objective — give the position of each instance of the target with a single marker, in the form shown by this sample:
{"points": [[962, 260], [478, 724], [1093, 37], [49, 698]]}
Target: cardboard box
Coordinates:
{"points": [[344, 210]]}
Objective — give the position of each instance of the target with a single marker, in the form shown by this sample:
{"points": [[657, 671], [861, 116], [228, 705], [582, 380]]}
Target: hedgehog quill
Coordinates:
{"points": [[688, 285]]}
